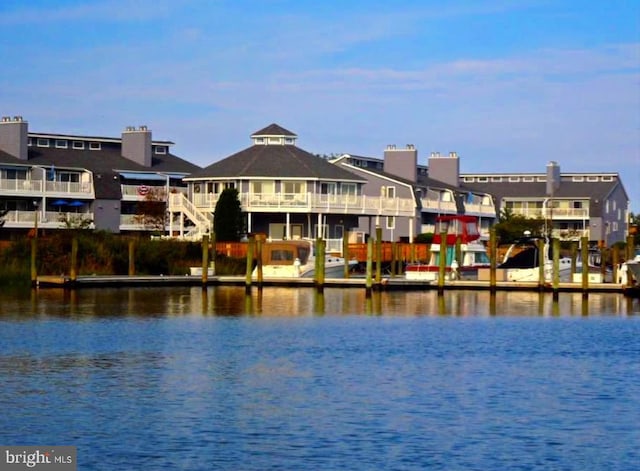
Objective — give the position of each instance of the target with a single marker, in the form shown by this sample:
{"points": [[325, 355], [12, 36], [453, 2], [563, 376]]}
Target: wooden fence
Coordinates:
{"points": [[404, 251]]}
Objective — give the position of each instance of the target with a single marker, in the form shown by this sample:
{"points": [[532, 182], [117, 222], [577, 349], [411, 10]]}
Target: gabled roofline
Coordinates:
{"points": [[115, 140]]}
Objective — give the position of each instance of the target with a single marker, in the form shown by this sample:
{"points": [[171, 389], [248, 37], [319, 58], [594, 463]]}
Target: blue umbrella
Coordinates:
{"points": [[59, 203], [76, 203]]}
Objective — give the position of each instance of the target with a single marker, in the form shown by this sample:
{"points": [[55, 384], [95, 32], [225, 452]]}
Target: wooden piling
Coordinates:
{"points": [[320, 264], [394, 258], [630, 255], [493, 248], [249, 267], [132, 257], [574, 259], [368, 273], [73, 271], [345, 255], [205, 258], [556, 266], [259, 275], [615, 260], [541, 267], [34, 260], [378, 255], [443, 261], [585, 264]]}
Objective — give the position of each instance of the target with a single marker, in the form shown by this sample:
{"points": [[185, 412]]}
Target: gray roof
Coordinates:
{"points": [[595, 191], [275, 161], [274, 130]]}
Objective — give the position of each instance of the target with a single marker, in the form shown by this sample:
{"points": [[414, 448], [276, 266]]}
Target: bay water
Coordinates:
{"points": [[284, 378]]}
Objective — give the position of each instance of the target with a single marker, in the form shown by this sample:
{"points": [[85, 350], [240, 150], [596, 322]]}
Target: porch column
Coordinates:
{"points": [[288, 226], [249, 224], [319, 231], [411, 230]]}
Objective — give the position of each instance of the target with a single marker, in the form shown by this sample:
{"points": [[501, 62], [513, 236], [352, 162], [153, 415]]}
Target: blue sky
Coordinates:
{"points": [[508, 85]]}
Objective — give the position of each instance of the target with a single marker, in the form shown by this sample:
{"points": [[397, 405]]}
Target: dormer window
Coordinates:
{"points": [[61, 144], [289, 140], [161, 150], [95, 146], [78, 145], [43, 142], [275, 140], [259, 140]]}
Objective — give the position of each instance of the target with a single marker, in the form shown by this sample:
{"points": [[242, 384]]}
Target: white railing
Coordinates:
{"points": [[553, 213], [46, 188], [178, 203], [20, 186], [46, 219], [437, 206], [309, 202]]}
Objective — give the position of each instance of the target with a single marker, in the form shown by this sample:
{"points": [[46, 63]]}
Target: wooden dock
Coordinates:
{"points": [[387, 283]]}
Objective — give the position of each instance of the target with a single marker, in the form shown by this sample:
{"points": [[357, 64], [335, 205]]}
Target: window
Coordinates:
{"points": [[496, 179], [527, 179], [77, 145], [259, 140], [577, 205], [466, 179], [261, 187], [288, 140], [607, 178], [592, 179], [95, 146], [14, 174], [390, 192], [514, 179], [61, 144], [483, 179], [43, 142], [578, 178], [67, 177], [275, 140], [161, 150], [391, 222]]}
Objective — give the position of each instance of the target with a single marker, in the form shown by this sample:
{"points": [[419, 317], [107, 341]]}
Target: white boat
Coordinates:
{"points": [[473, 252], [522, 262], [197, 271], [630, 268], [297, 259]]}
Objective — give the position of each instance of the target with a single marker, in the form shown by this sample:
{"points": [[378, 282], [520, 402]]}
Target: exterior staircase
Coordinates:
{"points": [[203, 221]]}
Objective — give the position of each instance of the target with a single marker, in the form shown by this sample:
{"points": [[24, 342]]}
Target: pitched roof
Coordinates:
{"points": [[596, 191], [275, 161], [274, 130]]}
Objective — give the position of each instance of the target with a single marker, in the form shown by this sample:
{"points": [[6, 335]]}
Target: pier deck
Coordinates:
{"points": [[387, 283]]}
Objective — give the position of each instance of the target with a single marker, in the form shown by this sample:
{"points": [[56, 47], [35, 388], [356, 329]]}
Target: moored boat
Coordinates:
{"points": [[522, 261], [297, 259], [473, 253]]}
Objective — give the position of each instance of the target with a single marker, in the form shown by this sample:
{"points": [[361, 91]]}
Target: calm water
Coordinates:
{"points": [[180, 378]]}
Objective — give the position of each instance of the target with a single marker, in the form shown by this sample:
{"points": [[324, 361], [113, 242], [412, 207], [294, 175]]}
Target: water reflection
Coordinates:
{"points": [[282, 301]]}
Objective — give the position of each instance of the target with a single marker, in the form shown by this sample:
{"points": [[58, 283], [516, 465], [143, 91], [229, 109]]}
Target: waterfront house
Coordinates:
{"points": [[285, 191], [428, 192], [573, 204], [61, 180]]}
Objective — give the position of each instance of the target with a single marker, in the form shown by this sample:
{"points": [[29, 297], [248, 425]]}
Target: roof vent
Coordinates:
{"points": [[18, 119], [143, 128], [6, 119], [130, 128]]}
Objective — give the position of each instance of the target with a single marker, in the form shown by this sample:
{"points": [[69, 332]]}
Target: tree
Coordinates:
{"points": [[3, 213], [512, 226], [634, 228], [152, 210], [228, 221]]}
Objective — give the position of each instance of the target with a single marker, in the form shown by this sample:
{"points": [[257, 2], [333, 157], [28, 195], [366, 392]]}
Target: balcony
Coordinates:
{"points": [[553, 213], [140, 192], [308, 202], [46, 220], [39, 188]]}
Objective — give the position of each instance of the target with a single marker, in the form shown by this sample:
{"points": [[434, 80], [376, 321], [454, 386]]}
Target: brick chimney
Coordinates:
{"points": [[136, 145], [553, 178], [14, 137], [445, 169], [402, 163]]}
